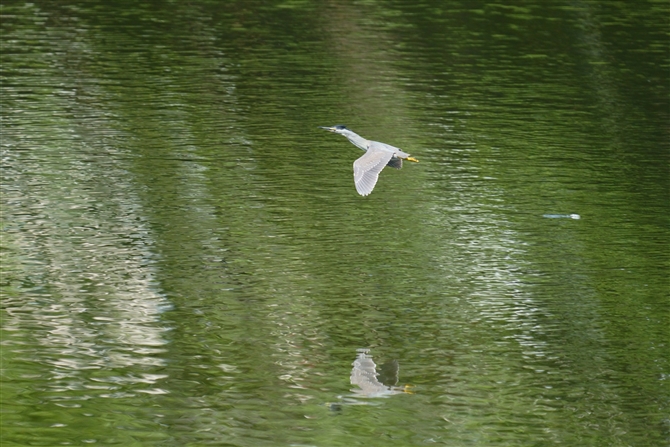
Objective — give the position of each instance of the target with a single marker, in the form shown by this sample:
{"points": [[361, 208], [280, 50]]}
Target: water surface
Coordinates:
{"points": [[186, 261]]}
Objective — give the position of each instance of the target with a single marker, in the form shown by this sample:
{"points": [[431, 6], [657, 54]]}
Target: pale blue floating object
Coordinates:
{"points": [[562, 216]]}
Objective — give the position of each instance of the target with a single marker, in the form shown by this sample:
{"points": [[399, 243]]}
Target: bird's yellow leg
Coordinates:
{"points": [[408, 389], [412, 159]]}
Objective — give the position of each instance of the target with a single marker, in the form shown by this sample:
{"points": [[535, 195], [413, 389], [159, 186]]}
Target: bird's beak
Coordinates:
{"points": [[331, 129]]}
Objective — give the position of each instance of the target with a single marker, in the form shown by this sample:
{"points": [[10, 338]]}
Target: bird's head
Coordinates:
{"points": [[338, 128]]}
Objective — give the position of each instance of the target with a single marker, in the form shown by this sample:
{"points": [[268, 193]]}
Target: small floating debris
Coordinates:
{"points": [[562, 216]]}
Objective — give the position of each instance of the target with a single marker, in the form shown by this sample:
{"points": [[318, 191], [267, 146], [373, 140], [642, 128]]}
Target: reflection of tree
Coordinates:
{"points": [[368, 71], [83, 316]]}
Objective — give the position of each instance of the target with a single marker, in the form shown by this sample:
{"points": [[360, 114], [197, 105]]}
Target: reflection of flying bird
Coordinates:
{"points": [[377, 155], [372, 384]]}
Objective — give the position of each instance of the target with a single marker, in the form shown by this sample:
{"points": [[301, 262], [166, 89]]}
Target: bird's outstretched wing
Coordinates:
{"points": [[367, 169]]}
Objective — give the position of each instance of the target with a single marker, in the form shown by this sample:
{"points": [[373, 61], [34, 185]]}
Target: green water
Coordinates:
{"points": [[185, 260]]}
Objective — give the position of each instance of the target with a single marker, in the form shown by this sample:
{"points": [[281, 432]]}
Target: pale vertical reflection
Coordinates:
{"points": [[490, 257], [298, 347], [501, 297], [81, 240], [80, 254], [373, 87], [368, 74], [602, 75]]}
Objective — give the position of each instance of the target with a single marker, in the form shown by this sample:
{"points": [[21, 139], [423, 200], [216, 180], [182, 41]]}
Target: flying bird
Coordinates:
{"points": [[377, 155]]}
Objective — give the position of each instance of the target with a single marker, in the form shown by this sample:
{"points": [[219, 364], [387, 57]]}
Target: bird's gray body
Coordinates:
{"points": [[377, 156]]}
